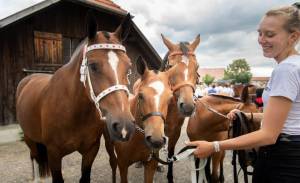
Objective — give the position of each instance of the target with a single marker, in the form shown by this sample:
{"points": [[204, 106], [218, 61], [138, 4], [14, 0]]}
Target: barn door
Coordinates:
{"points": [[48, 48]]}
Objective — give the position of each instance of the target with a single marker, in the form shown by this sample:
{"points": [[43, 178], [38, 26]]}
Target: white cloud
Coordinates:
{"points": [[227, 27], [12, 6]]}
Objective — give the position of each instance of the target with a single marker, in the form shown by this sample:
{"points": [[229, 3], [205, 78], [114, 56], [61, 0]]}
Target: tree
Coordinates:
{"points": [[238, 71], [208, 79]]}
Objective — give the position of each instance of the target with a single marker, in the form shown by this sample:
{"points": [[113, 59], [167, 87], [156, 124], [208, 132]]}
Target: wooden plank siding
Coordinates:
{"points": [[40, 43]]}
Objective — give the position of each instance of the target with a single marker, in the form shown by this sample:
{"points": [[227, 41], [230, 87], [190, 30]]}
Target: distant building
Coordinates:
{"points": [[218, 73], [259, 81]]}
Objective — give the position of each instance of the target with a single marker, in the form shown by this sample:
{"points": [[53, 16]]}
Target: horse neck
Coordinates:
{"points": [[135, 109], [227, 106], [71, 73]]}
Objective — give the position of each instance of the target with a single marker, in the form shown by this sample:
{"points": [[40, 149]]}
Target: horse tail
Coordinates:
{"points": [[42, 160]]}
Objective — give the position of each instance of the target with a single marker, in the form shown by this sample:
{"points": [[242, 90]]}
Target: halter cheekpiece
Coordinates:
{"points": [[84, 74]]}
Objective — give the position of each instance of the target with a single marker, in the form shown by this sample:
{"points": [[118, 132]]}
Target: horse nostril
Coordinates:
{"points": [[181, 105], [115, 126], [164, 140], [148, 139]]}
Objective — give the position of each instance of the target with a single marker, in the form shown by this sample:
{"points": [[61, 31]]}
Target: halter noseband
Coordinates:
{"points": [[84, 74], [148, 115]]}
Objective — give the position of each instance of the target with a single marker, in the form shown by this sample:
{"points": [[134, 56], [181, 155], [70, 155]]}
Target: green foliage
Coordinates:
{"points": [[208, 79], [238, 71]]}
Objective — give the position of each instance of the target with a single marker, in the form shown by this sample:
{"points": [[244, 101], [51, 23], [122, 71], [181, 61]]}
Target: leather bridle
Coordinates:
{"points": [[85, 74], [144, 117]]}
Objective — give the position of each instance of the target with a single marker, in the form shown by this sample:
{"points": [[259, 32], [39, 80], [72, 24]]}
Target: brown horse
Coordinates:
{"points": [[61, 113], [149, 105], [208, 125], [182, 64], [181, 59]]}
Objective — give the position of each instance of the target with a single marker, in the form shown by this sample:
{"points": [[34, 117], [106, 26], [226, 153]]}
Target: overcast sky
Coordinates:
{"points": [[228, 28]]}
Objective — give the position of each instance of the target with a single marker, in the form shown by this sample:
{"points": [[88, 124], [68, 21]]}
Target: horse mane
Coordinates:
{"points": [[245, 94], [184, 48], [165, 62], [77, 50], [226, 97]]}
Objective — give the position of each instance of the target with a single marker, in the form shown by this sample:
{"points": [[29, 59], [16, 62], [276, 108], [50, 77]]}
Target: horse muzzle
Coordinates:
{"points": [[186, 109], [155, 143], [120, 130]]}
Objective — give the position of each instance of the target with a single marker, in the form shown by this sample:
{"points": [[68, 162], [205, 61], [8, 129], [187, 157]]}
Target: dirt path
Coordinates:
{"points": [[15, 166]]}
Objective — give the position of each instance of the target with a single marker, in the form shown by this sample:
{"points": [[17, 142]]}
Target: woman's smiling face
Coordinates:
{"points": [[273, 38]]}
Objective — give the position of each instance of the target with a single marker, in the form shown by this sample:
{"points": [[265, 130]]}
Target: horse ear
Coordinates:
{"points": [[168, 43], [91, 25], [245, 94], [195, 42], [141, 65], [123, 30]]}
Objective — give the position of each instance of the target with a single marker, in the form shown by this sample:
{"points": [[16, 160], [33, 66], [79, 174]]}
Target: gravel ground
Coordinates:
{"points": [[15, 166]]}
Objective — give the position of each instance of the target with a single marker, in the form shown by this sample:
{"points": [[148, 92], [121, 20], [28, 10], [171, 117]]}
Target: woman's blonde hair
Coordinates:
{"points": [[291, 13]]}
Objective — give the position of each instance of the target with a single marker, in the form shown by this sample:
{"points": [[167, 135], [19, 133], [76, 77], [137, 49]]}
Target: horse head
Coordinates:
{"points": [[153, 95], [182, 66], [103, 73]]}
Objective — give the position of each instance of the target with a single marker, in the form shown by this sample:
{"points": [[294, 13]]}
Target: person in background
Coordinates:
{"points": [[279, 135], [258, 100], [212, 90]]}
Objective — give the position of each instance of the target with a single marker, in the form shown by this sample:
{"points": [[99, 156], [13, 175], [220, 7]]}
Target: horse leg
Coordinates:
{"points": [[55, 160], [149, 171], [216, 159], [207, 170], [123, 168], [112, 158], [221, 177], [87, 161], [173, 138]]}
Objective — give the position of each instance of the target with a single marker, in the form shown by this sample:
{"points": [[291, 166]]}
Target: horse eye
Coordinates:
{"points": [[129, 72], [140, 96], [93, 67]]}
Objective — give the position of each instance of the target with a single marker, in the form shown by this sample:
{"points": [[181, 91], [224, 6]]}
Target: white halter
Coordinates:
{"points": [[84, 73]]}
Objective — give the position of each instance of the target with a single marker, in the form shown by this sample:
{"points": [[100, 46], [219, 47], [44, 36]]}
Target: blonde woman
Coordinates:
{"points": [[279, 136]]}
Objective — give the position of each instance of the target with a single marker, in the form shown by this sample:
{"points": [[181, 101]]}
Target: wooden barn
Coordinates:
{"points": [[42, 38]]}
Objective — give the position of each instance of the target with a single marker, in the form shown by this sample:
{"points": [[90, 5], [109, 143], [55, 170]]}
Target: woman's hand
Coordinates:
{"points": [[231, 115], [203, 148]]}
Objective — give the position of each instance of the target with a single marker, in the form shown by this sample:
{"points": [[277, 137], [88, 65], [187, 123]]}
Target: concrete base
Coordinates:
{"points": [[10, 133]]}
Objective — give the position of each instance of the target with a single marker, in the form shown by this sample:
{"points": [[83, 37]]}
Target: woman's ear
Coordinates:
{"points": [[294, 37]]}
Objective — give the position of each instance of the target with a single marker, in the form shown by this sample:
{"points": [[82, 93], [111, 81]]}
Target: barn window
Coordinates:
{"points": [[69, 46], [48, 48]]}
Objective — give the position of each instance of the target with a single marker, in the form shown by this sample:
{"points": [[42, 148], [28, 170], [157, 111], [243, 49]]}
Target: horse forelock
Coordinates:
{"points": [[184, 48], [106, 35]]}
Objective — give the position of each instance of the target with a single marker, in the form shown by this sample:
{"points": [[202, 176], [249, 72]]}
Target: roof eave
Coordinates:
{"points": [[26, 12], [101, 7]]}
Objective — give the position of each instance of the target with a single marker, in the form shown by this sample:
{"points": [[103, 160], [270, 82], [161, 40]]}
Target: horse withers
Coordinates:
{"points": [[61, 113], [149, 105], [210, 123]]}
